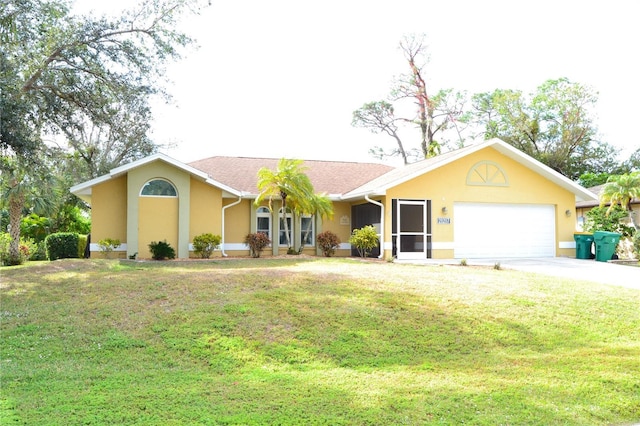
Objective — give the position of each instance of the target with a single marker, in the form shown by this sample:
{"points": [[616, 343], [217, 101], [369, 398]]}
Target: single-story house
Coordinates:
{"points": [[486, 200], [583, 206]]}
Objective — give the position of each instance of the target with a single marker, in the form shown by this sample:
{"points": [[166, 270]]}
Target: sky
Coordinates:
{"points": [[281, 78]]}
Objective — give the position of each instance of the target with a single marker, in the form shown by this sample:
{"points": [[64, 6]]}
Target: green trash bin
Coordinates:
{"points": [[584, 241], [606, 243]]}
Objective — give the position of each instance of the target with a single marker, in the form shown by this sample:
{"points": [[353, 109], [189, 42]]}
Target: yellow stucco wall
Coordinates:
{"points": [[198, 207], [236, 226], [109, 213], [205, 211], [340, 225], [158, 221], [448, 184], [136, 179]]}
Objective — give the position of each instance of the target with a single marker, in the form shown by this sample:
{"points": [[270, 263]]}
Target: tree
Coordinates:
{"points": [[288, 183], [604, 219], [378, 117], [23, 185], [589, 180], [62, 74], [553, 125], [68, 72], [632, 164], [364, 239], [318, 205], [434, 114], [620, 190], [102, 147]]}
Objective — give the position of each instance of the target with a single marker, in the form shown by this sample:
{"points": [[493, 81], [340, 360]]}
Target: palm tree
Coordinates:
{"points": [[22, 187], [288, 183], [317, 205], [620, 190]]}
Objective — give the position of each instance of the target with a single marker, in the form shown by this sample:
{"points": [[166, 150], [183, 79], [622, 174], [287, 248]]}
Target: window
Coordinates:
{"points": [[282, 238], [263, 221], [307, 230], [159, 188]]}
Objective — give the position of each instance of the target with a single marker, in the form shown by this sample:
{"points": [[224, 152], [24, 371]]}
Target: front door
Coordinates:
{"points": [[413, 238]]}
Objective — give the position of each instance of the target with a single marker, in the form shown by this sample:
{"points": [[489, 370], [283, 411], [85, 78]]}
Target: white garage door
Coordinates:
{"points": [[483, 230]]}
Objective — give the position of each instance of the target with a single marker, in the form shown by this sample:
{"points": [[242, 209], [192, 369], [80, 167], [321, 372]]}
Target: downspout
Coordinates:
{"points": [[366, 197], [223, 214]]}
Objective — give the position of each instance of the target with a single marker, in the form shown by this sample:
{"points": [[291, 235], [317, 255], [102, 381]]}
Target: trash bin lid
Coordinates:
{"points": [[605, 234]]}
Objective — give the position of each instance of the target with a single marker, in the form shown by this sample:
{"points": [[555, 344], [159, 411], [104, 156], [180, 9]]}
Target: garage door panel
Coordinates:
{"points": [[485, 230]]}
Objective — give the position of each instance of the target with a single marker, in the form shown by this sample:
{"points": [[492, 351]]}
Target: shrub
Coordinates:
{"points": [[62, 245], [205, 244], [636, 244], [28, 250], [39, 252], [35, 227], [328, 243], [161, 250], [5, 241], [364, 239], [598, 220], [107, 245], [257, 242], [82, 245], [5, 246]]}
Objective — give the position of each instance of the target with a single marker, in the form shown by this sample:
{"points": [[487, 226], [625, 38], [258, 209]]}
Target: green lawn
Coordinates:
{"points": [[312, 341]]}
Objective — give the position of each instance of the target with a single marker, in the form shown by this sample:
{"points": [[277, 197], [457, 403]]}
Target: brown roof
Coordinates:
{"points": [[332, 177], [597, 190]]}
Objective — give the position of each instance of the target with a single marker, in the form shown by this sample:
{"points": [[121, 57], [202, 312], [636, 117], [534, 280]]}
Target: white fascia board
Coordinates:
{"points": [[253, 196], [224, 187], [581, 193], [411, 171], [159, 156], [84, 188], [353, 196], [141, 162]]}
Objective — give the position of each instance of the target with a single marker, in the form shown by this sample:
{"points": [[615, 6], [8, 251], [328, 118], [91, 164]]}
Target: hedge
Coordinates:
{"points": [[63, 245]]}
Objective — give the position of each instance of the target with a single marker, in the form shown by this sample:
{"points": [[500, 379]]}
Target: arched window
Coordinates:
{"points": [[158, 188], [263, 221]]}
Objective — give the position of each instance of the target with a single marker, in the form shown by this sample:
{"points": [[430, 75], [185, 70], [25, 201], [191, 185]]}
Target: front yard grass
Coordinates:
{"points": [[320, 341]]}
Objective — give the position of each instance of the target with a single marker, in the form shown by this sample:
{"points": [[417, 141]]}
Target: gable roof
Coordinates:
{"points": [[332, 177], [83, 190], [341, 180], [380, 185]]}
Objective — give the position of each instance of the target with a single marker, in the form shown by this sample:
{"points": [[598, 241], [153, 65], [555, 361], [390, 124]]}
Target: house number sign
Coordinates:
{"points": [[444, 221]]}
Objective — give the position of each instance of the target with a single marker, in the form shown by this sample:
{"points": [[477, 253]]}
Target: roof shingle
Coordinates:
{"points": [[332, 177]]}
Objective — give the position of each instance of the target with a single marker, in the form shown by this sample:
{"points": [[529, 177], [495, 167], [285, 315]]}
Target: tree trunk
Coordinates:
{"points": [[306, 233], [16, 202], [631, 214], [284, 219]]}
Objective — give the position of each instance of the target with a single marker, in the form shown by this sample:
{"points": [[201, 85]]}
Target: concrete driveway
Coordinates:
{"points": [[588, 270]]}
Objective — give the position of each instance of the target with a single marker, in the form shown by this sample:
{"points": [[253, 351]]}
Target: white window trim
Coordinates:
{"points": [[158, 196], [262, 212], [303, 230], [292, 234]]}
